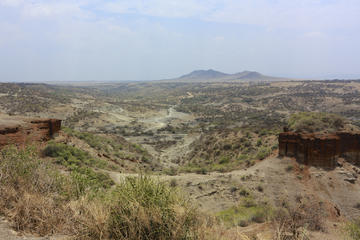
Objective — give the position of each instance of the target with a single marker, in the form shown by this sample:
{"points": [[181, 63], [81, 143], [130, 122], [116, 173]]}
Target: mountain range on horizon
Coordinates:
{"points": [[211, 75]]}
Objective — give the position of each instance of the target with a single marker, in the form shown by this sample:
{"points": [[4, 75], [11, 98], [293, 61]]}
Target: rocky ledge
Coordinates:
{"points": [[20, 131], [319, 149]]}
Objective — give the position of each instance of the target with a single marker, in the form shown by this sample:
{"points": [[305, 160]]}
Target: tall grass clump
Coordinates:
{"points": [[143, 208]]}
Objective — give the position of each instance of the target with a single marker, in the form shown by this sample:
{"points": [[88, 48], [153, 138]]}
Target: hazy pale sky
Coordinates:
{"points": [[47, 40]]}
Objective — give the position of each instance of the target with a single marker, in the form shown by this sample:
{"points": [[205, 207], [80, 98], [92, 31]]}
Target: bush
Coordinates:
{"points": [[201, 171], [260, 188], [224, 160]]}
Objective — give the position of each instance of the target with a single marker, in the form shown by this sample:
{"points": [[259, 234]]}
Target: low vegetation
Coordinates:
{"points": [[227, 127], [295, 221], [95, 141], [115, 149], [353, 229], [228, 150], [246, 212], [38, 198], [316, 122], [72, 157]]}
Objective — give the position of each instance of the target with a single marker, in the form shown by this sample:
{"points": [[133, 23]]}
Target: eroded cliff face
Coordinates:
{"points": [[20, 131], [320, 150]]}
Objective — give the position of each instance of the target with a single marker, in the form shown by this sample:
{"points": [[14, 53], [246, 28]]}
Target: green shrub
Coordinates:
{"points": [[227, 146], [201, 171], [139, 148], [244, 192], [224, 160], [260, 188]]}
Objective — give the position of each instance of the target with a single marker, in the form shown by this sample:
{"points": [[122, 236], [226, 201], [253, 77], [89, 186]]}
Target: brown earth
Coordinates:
{"points": [[20, 131], [322, 150]]}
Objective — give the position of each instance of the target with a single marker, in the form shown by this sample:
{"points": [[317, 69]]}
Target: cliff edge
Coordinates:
{"points": [[20, 131], [320, 149]]}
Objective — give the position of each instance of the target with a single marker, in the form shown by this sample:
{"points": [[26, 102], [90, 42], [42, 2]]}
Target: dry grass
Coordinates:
{"points": [[38, 199], [144, 208], [29, 193], [213, 229], [293, 223]]}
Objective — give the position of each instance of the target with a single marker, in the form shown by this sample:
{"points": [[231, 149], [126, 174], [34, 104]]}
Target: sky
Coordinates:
{"points": [[93, 40]]}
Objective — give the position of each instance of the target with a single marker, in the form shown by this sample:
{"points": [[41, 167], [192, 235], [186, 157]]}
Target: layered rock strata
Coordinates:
{"points": [[21, 131], [319, 149]]}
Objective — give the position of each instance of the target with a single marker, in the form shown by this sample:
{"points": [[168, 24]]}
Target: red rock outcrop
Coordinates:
{"points": [[19, 131], [319, 149]]}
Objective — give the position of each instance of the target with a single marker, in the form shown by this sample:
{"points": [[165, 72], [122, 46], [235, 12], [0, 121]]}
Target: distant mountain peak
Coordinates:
{"points": [[204, 74]]}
